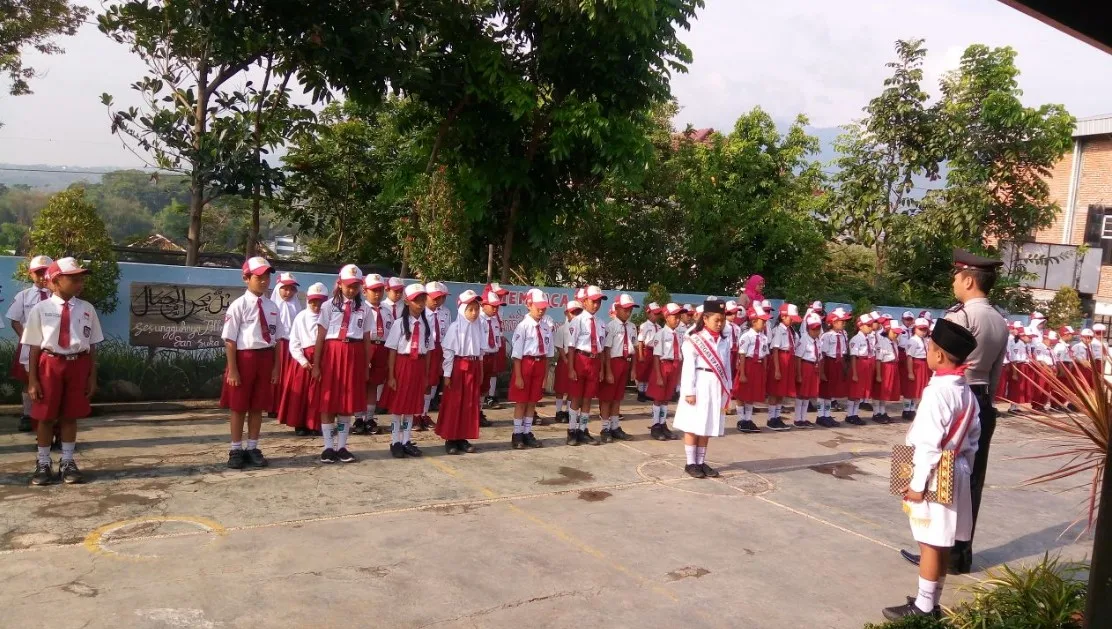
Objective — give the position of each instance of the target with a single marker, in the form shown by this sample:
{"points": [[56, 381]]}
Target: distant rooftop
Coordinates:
{"points": [[1093, 125]]}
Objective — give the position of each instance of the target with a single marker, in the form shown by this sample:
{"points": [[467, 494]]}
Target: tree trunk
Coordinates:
{"points": [[252, 248], [196, 180], [1098, 610], [508, 238]]}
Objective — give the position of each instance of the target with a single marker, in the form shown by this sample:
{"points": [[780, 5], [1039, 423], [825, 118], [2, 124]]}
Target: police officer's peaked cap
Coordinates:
{"points": [[964, 260]]}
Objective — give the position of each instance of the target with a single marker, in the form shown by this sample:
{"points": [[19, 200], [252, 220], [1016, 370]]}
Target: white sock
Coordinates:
{"points": [[747, 412], [915, 407], [342, 431], [370, 411], [615, 423], [852, 408], [701, 455], [881, 407], [327, 430], [642, 386], [237, 445], [527, 425], [907, 405], [407, 429], [67, 450], [925, 600], [428, 401], [938, 590], [584, 419], [559, 405], [252, 444], [800, 410], [44, 454], [395, 429], [605, 423], [378, 393], [664, 414], [26, 404], [690, 451], [518, 422], [493, 387], [656, 414]]}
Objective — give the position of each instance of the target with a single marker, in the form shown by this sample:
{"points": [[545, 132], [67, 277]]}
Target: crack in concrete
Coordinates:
{"points": [[510, 605]]}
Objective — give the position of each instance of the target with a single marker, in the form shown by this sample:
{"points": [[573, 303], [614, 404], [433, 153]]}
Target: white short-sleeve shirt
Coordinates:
{"points": [[579, 333], [860, 346], [244, 327], [44, 322], [526, 341], [783, 338], [833, 344], [917, 346], [668, 344], [332, 319], [886, 350], [397, 341], [753, 344], [807, 348], [616, 333]]}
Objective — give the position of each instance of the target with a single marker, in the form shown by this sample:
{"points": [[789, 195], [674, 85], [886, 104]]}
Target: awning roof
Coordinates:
{"points": [[1087, 20]]}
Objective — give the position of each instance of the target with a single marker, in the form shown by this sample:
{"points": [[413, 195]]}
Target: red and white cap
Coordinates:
{"points": [[654, 308], [467, 297], [757, 311], [573, 305], [814, 320], [395, 283], [490, 298], [40, 262], [497, 288], [672, 309], [816, 305], [689, 308], [766, 304], [580, 294], [838, 314], [1066, 329], [257, 266], [1038, 315], [593, 293], [287, 279], [699, 309], [1087, 333], [436, 289], [865, 319], [1052, 336], [895, 326], [790, 310], [731, 307], [882, 318], [1030, 331], [926, 314], [317, 291], [625, 301], [1099, 328], [373, 281], [535, 297], [907, 315], [1017, 325], [64, 266], [922, 322], [351, 274], [415, 290]]}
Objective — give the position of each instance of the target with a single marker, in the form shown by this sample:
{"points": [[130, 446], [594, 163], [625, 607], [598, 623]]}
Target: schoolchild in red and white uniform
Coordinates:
{"points": [[252, 327], [621, 336], [462, 388], [667, 351], [862, 369], [492, 326], [378, 322], [22, 304], [562, 384], [751, 373], [341, 363], [496, 362], [780, 381], [887, 371], [907, 320], [531, 348], [297, 405], [62, 332], [806, 368], [915, 369], [440, 319], [1099, 343], [410, 343], [833, 383], [1084, 355], [284, 296], [586, 342], [643, 360], [1040, 353], [392, 302]]}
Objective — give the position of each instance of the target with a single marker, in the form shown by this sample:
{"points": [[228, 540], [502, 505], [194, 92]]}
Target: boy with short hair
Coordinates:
{"points": [[586, 341], [22, 304], [619, 350], [62, 332]]}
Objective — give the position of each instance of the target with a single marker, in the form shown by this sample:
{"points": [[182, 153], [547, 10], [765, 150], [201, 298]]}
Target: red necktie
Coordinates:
{"points": [[43, 295], [540, 340], [625, 341], [675, 347], [436, 327], [490, 333], [64, 327], [757, 348], [791, 341], [594, 337], [414, 340], [378, 322], [262, 321], [838, 352], [343, 322]]}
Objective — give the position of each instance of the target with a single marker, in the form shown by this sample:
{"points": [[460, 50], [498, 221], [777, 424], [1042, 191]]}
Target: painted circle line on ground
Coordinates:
{"points": [[94, 541]]}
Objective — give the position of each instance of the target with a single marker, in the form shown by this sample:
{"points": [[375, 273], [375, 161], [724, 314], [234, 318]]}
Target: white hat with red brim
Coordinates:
{"points": [[731, 306], [65, 266], [790, 310], [699, 309], [580, 294], [287, 279], [593, 293], [536, 298], [672, 309], [766, 304], [907, 315], [317, 291], [865, 319], [689, 308], [1086, 332], [654, 308], [413, 291], [816, 305], [625, 301], [373, 281], [39, 263], [497, 288], [395, 283], [573, 305], [1052, 336], [1038, 315], [757, 311], [896, 325], [490, 298], [813, 321], [1099, 328], [436, 289], [921, 322], [351, 274], [467, 297], [257, 266], [1066, 329]]}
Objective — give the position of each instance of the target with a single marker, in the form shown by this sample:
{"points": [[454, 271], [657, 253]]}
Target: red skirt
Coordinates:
{"points": [[343, 378], [436, 366], [807, 388], [785, 386], [1002, 392], [533, 371], [298, 404], [888, 389], [587, 370], [836, 385], [460, 402], [255, 391], [862, 389], [380, 364], [1039, 390], [754, 389], [17, 371], [63, 384], [913, 388], [670, 374], [901, 362], [643, 367], [1025, 388], [615, 392], [284, 359], [409, 396]]}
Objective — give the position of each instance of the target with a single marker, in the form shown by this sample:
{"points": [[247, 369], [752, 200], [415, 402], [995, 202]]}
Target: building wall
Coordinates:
{"points": [[1059, 182]]}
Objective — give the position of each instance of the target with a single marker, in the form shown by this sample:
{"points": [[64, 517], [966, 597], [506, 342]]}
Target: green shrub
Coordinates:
{"points": [[656, 292]]}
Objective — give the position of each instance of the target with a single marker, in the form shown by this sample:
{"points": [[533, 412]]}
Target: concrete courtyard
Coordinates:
{"points": [[800, 531]]}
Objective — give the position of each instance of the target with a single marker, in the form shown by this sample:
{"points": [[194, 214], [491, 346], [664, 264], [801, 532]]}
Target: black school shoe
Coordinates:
{"points": [[617, 434], [604, 436], [44, 474], [530, 440], [562, 417], [328, 456], [641, 397], [802, 423], [397, 450], [583, 436], [301, 431], [69, 473], [709, 471], [451, 447], [668, 433], [483, 421], [411, 449], [573, 438], [695, 471], [517, 441], [655, 433], [854, 420], [828, 422], [910, 609], [236, 459], [778, 425], [490, 402], [865, 406], [360, 426], [881, 419], [255, 458], [25, 423], [747, 426], [344, 456]]}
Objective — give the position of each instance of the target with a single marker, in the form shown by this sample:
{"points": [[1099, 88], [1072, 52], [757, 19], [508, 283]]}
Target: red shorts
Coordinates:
{"points": [[785, 386], [670, 374], [380, 364], [17, 371], [615, 392], [255, 391], [587, 370], [807, 388], [533, 372], [63, 385], [643, 367], [490, 367], [561, 384]]}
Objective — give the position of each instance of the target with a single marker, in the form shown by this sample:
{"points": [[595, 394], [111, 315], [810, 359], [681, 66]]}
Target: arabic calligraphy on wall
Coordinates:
{"points": [[177, 316]]}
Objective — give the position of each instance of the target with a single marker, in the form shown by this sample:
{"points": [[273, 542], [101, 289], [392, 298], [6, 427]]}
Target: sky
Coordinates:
{"points": [[824, 59]]}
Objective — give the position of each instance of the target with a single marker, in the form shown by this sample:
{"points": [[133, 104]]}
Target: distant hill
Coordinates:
{"points": [[50, 178]]}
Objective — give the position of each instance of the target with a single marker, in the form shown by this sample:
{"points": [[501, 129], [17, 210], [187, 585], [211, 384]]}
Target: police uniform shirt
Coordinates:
{"points": [[244, 327], [991, 331], [43, 324], [332, 319]]}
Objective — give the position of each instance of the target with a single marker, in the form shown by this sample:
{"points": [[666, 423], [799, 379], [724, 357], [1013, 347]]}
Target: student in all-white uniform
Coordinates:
{"points": [[22, 304], [947, 419], [706, 381]]}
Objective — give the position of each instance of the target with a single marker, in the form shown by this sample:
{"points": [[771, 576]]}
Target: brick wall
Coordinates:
{"points": [[1059, 182], [1095, 185]]}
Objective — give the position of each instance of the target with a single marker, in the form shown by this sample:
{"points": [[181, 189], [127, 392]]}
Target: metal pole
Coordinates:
{"points": [[1098, 609], [490, 262]]}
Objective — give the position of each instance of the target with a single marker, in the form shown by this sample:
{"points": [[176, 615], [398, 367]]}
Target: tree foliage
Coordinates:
{"points": [[33, 25], [1064, 309], [69, 226]]}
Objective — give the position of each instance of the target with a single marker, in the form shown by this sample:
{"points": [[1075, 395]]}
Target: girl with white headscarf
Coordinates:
{"points": [[462, 397]]}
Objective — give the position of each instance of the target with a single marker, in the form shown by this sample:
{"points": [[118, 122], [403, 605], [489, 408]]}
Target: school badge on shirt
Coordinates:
{"points": [[88, 331]]}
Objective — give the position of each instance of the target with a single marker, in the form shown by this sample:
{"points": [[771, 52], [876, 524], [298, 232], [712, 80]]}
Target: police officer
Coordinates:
{"points": [[974, 277]]}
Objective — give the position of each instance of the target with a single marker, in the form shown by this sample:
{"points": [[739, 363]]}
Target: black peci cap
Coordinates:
{"points": [[964, 260], [714, 305], [953, 339]]}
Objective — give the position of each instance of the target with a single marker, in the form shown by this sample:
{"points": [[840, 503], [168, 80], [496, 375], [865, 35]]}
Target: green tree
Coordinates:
{"points": [[33, 24], [69, 226], [438, 246], [1064, 309]]}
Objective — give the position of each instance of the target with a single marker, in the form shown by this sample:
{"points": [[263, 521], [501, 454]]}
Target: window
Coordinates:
{"points": [[1106, 227], [1098, 231]]}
